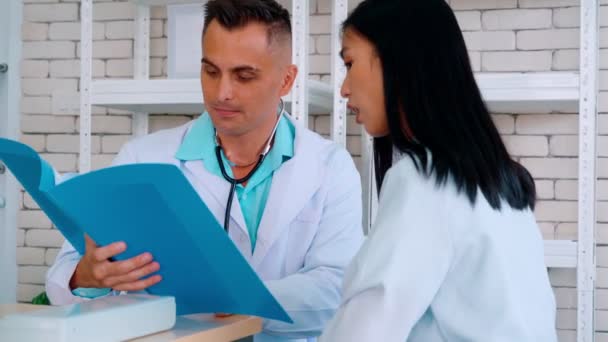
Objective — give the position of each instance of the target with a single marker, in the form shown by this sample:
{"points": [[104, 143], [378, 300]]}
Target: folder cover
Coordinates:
{"points": [[153, 208]]}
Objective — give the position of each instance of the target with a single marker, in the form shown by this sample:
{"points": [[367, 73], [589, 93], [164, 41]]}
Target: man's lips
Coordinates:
{"points": [[225, 111]]}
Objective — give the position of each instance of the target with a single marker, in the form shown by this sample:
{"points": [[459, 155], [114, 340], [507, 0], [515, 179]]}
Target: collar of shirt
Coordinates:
{"points": [[199, 144]]}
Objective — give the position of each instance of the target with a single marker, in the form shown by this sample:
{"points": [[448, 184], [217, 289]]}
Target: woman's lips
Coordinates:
{"points": [[355, 110]]}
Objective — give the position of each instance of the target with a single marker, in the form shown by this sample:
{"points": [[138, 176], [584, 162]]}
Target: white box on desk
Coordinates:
{"points": [[112, 318]]}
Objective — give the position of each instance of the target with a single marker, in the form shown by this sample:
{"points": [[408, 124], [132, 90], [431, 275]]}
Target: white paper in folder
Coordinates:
{"points": [[113, 318]]}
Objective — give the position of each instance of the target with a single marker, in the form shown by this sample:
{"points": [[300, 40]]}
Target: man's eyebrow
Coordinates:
{"points": [[244, 68], [238, 68], [206, 61]]}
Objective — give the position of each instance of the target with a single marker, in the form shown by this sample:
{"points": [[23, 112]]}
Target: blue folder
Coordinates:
{"points": [[153, 208]]}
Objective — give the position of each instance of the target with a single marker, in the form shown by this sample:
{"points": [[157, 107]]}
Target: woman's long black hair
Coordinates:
{"points": [[430, 91]]}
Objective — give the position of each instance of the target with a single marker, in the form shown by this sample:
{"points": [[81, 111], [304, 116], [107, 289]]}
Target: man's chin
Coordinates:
{"points": [[224, 117], [228, 127], [226, 114]]}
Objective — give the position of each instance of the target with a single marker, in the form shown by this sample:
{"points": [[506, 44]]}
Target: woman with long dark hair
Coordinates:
{"points": [[455, 253]]}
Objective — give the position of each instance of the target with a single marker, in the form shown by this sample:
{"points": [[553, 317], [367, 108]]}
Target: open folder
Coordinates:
{"points": [[153, 208]]}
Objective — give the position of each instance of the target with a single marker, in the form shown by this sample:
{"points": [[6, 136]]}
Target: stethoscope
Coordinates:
{"points": [[233, 182]]}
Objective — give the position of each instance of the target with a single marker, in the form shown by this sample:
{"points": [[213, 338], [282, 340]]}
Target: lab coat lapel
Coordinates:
{"points": [[215, 194], [293, 186]]}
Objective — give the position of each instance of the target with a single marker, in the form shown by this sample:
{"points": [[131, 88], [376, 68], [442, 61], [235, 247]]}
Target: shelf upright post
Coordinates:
{"points": [[141, 62], [300, 41], [86, 62], [338, 72], [587, 169]]}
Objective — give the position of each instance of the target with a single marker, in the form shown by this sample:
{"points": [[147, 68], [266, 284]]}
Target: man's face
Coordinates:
{"points": [[243, 77]]}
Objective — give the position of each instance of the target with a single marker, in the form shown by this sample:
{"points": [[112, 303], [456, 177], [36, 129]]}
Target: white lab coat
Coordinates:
{"points": [[310, 230], [436, 268]]}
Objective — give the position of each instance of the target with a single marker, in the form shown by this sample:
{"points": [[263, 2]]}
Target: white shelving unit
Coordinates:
{"points": [[179, 96], [503, 92], [530, 92]]}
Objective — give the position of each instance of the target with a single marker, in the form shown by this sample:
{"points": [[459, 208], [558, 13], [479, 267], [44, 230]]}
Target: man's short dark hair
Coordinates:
{"points": [[233, 14]]}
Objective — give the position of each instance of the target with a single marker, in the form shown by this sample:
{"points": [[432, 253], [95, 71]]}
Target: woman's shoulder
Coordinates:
{"points": [[405, 165], [408, 171], [411, 183]]}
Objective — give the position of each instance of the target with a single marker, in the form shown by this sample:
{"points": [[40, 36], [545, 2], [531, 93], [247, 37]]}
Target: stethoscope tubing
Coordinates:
{"points": [[234, 182]]}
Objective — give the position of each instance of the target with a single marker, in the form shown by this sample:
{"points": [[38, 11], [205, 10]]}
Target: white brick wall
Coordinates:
{"points": [[482, 4], [113, 11], [502, 36], [25, 292], [552, 168], [545, 189], [548, 39], [47, 124], [516, 61], [469, 20], [504, 123], [566, 190], [31, 274], [565, 60], [547, 3], [602, 234], [30, 256], [57, 143], [566, 17], [543, 124], [36, 105], [70, 68], [50, 12], [37, 69], [120, 68], [121, 29], [516, 19], [162, 121], [71, 31], [41, 87], [566, 231], [34, 31], [112, 143], [33, 219], [561, 211], [522, 145], [43, 238], [48, 50], [490, 40], [564, 145]]}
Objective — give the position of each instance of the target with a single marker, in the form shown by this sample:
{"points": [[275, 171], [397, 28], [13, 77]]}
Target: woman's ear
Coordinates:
{"points": [[288, 79]]}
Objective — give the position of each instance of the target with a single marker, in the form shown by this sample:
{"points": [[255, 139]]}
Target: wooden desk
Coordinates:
{"points": [[189, 328]]}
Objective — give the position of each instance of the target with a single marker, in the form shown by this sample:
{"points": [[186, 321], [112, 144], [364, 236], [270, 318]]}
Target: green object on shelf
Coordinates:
{"points": [[41, 299]]}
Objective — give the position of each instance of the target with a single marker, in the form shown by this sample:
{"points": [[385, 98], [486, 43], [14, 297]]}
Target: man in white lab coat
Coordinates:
{"points": [[297, 220]]}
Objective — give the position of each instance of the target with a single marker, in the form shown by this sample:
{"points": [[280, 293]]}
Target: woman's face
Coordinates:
{"points": [[363, 85]]}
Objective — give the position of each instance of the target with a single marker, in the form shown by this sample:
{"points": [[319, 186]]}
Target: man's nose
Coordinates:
{"points": [[225, 89]]}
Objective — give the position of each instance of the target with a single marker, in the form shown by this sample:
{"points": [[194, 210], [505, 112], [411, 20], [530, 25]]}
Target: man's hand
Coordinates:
{"points": [[95, 270], [223, 315]]}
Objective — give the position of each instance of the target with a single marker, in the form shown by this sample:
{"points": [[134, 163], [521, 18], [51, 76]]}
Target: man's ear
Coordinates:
{"points": [[289, 78]]}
